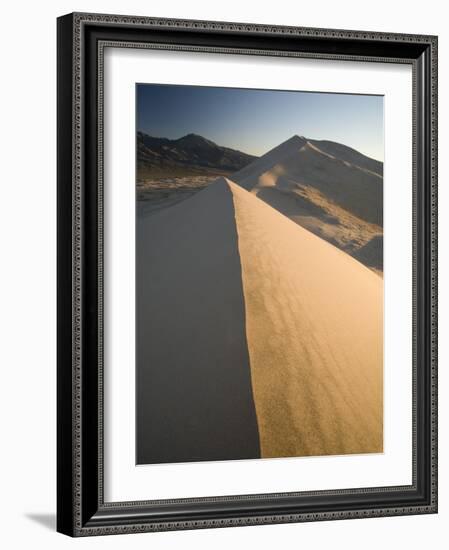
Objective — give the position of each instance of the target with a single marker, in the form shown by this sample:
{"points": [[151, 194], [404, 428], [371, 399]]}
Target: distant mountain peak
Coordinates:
{"points": [[291, 143], [189, 151], [193, 136], [195, 140]]}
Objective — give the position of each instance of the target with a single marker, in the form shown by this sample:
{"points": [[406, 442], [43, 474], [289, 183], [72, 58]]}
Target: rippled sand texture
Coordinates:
{"points": [[255, 338], [314, 332]]}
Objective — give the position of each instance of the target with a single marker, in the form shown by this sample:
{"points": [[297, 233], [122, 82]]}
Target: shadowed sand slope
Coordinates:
{"points": [[254, 336], [194, 396], [327, 188], [314, 332], [347, 154], [371, 253]]}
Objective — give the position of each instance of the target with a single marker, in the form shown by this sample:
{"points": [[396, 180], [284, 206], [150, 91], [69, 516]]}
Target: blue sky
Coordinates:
{"points": [[255, 121]]}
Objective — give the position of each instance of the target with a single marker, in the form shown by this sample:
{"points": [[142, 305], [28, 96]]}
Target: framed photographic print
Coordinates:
{"points": [[247, 292]]}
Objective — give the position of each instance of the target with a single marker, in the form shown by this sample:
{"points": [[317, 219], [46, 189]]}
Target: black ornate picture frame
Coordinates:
{"points": [[81, 508]]}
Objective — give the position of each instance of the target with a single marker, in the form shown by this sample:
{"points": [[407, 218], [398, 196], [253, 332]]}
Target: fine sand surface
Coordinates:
{"points": [[314, 332], [327, 188], [194, 396], [255, 337]]}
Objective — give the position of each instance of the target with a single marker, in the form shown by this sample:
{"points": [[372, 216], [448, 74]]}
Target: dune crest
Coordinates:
{"points": [[255, 338], [194, 394], [314, 332]]}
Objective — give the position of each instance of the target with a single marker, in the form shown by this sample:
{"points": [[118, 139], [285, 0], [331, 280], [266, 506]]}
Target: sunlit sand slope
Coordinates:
{"points": [[254, 337], [314, 332]]}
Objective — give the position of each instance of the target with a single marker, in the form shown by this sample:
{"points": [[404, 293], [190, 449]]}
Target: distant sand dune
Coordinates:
{"points": [[349, 155], [354, 189], [328, 188], [299, 160]]}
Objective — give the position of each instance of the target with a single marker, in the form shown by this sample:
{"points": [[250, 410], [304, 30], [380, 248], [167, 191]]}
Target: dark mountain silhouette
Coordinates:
{"points": [[191, 152]]}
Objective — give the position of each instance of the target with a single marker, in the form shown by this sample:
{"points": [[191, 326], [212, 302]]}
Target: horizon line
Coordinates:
{"points": [[252, 154]]}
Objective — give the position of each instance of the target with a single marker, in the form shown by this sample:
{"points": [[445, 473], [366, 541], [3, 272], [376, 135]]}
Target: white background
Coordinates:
{"points": [[123, 480], [27, 219]]}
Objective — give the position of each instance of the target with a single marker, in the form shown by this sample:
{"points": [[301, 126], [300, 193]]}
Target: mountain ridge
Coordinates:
{"points": [[190, 151]]}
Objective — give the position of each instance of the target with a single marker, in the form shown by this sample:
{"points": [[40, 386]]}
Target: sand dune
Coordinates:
{"points": [[349, 155], [300, 162], [194, 396], [255, 337], [248, 177], [328, 188], [314, 331]]}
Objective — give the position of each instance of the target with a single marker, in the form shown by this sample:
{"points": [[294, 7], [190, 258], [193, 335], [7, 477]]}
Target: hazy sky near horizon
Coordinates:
{"points": [[255, 121]]}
